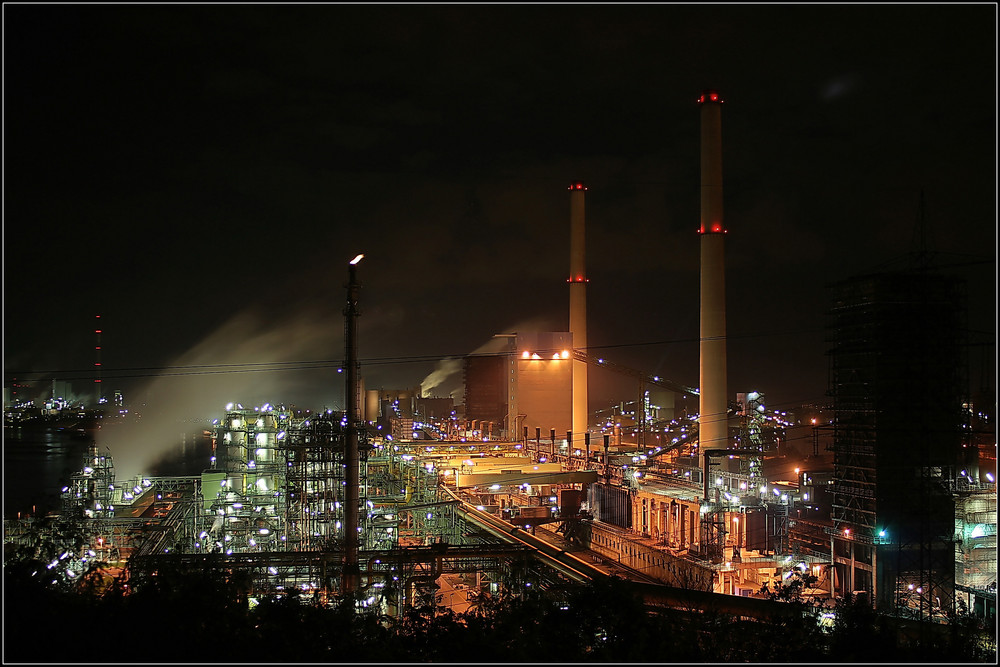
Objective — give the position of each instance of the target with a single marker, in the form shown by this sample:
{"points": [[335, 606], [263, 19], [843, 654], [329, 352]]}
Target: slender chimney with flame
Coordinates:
{"points": [[578, 310], [713, 421], [351, 579]]}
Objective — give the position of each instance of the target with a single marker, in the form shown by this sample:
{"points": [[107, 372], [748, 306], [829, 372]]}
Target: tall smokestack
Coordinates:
{"points": [[351, 578], [712, 422], [578, 308], [97, 363]]}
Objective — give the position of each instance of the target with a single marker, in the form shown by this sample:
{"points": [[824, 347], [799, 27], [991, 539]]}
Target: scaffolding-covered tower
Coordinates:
{"points": [[897, 380], [976, 535]]}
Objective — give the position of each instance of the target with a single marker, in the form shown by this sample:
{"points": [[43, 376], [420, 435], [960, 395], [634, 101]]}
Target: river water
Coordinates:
{"points": [[38, 462]]}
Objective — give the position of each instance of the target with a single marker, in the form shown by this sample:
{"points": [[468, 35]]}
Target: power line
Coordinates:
{"points": [[321, 364], [148, 371]]}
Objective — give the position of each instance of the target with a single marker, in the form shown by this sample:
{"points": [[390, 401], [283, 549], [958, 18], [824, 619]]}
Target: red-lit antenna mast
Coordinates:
{"points": [[97, 359]]}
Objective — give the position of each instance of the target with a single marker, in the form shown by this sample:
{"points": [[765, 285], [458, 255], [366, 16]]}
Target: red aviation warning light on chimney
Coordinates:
{"points": [[576, 238], [711, 163]]}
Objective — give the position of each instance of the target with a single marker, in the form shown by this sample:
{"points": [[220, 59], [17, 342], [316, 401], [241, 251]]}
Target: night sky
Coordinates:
{"points": [[201, 175]]}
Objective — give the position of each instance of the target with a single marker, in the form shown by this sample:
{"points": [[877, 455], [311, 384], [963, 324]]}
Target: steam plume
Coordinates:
{"points": [[236, 363]]}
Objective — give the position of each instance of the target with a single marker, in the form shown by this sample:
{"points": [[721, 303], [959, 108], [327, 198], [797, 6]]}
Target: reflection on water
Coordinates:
{"points": [[35, 464], [39, 462]]}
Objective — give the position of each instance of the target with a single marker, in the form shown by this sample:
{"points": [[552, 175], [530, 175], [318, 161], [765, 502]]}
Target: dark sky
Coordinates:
{"points": [[200, 175]]}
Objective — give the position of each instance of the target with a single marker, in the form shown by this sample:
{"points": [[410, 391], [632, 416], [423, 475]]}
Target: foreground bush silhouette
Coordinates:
{"points": [[204, 617]]}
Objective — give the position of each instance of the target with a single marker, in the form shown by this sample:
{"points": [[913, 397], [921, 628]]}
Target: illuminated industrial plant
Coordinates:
{"points": [[394, 495]]}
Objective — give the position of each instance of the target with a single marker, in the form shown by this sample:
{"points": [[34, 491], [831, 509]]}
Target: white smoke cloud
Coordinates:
{"points": [[249, 360], [445, 369]]}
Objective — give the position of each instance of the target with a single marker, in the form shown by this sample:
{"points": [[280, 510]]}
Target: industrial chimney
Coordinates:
{"points": [[351, 578], [578, 309], [713, 422]]}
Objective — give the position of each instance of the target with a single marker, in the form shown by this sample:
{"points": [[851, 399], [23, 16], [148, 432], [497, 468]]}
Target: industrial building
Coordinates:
{"points": [[488, 389], [527, 385]]}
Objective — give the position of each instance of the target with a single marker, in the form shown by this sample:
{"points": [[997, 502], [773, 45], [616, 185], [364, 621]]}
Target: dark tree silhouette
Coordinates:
{"points": [[204, 615]]}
